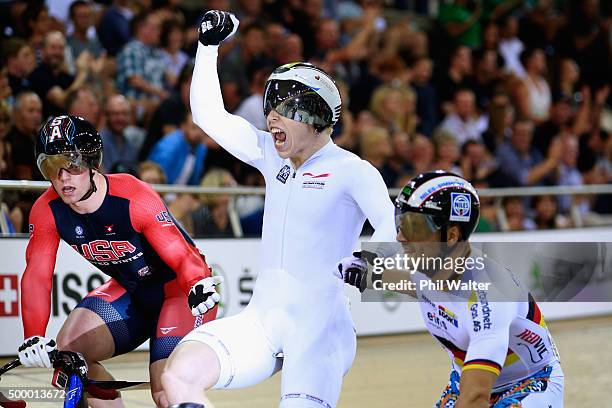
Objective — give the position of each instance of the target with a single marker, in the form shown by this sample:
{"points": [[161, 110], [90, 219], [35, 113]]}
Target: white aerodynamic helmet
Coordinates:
{"points": [[305, 93]]}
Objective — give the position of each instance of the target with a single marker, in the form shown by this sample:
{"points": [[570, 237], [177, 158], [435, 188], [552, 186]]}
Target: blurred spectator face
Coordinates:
{"points": [[475, 153], [254, 42], [537, 63], [569, 151], [465, 104], [193, 134], [521, 136], [313, 8], [511, 27], [5, 87], [490, 36], [86, 105], [401, 146], [275, 33], [375, 144], [421, 73], [514, 207], [570, 73], [82, 18], [251, 7], [150, 30], [328, 34], [462, 60], [5, 121], [394, 103], [422, 149], [23, 63], [292, 50], [42, 24], [118, 114], [28, 113], [487, 65], [175, 39], [447, 150], [53, 50], [562, 112], [150, 172], [546, 208], [217, 178]]}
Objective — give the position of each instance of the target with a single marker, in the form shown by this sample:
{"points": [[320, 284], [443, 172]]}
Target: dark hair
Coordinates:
{"points": [[185, 75], [527, 53], [73, 96], [167, 28], [252, 26], [137, 21], [11, 47], [76, 4], [31, 13]]}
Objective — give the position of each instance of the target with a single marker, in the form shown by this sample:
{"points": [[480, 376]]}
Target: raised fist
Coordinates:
{"points": [[216, 26]]}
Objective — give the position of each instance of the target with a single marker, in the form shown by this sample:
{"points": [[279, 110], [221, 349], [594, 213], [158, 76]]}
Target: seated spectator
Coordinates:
{"points": [[167, 117], [375, 147], [464, 122], [81, 39], [426, 96], [422, 154], [36, 24], [84, 103], [394, 108], [546, 214], [514, 215], [20, 62], [566, 85], [532, 94], [477, 164], [212, 218], [117, 147], [133, 80], [520, 163], [446, 152], [290, 50], [251, 108], [560, 119], [50, 81], [171, 42], [114, 28], [501, 117], [182, 153], [182, 207], [398, 165], [487, 78], [455, 78], [27, 117], [151, 172]]}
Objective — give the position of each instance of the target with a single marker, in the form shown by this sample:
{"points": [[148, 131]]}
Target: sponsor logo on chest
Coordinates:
{"points": [[315, 180]]}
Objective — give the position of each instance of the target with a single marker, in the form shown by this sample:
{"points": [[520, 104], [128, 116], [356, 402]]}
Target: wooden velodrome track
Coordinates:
{"points": [[395, 371]]}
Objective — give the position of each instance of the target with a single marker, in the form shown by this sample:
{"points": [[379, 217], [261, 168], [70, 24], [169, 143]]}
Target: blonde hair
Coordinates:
{"points": [[406, 119], [369, 139], [215, 177], [151, 165]]}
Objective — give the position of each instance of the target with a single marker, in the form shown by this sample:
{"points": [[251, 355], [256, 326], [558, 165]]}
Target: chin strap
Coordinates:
{"points": [[92, 187]]}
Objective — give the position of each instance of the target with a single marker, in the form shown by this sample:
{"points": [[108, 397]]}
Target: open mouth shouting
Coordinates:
{"points": [[280, 139]]}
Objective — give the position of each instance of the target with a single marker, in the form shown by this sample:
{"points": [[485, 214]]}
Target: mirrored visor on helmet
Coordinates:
{"points": [[298, 102], [50, 165], [415, 226]]}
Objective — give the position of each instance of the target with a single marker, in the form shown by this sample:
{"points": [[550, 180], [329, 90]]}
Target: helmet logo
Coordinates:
{"points": [[55, 129], [461, 207], [317, 77]]}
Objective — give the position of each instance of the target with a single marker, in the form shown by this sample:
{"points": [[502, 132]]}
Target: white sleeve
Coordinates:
{"points": [[371, 195], [233, 133]]}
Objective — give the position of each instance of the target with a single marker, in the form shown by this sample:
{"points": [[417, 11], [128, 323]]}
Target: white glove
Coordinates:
{"points": [[34, 352], [203, 295]]}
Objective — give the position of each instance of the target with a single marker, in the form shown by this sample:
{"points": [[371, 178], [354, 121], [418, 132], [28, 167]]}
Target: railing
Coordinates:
{"points": [[497, 193]]}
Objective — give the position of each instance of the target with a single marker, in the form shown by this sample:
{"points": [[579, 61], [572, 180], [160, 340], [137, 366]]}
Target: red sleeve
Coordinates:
{"points": [[37, 278], [150, 217]]}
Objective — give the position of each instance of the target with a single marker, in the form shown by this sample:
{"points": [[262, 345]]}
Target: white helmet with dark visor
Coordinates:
{"points": [[304, 93]]}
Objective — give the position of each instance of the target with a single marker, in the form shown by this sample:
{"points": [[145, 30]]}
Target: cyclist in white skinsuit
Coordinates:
{"points": [[502, 354], [317, 199]]}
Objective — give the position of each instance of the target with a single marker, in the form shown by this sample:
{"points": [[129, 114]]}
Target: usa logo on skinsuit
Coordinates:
{"points": [[461, 207]]}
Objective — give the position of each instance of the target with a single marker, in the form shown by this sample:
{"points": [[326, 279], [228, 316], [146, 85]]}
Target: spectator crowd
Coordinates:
{"points": [[506, 93]]}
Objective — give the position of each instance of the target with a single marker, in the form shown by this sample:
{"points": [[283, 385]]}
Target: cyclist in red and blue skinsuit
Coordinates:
{"points": [[121, 226]]}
